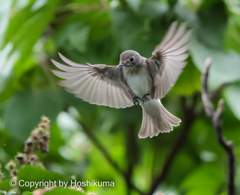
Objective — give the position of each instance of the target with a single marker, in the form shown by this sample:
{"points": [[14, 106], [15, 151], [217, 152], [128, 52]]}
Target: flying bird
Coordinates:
{"points": [[136, 80]]}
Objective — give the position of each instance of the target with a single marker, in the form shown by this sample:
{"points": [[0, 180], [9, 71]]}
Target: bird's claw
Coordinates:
{"points": [[136, 100], [145, 98]]}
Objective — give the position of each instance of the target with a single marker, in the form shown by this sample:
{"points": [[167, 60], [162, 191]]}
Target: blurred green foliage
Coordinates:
{"points": [[97, 31]]}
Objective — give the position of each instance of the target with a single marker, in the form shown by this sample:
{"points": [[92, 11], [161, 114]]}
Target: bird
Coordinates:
{"points": [[136, 80]]}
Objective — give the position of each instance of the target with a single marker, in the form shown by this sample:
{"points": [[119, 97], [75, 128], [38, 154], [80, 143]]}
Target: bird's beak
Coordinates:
{"points": [[120, 64]]}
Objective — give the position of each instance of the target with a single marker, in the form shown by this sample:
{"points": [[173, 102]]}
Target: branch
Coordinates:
{"points": [[105, 153], [217, 123], [189, 118], [131, 154], [99, 145]]}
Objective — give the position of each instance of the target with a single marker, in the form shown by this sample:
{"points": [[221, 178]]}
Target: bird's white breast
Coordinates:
{"points": [[139, 84]]}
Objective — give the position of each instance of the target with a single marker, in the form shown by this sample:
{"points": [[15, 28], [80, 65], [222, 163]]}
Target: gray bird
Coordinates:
{"points": [[136, 80]]}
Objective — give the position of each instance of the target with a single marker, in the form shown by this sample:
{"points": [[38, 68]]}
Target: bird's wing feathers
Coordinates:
{"points": [[168, 59], [97, 84]]}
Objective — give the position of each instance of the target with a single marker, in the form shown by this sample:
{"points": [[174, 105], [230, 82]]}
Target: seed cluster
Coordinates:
{"points": [[38, 140], [1, 173], [11, 166], [77, 188]]}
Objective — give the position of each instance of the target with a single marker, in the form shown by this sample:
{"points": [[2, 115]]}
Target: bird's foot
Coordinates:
{"points": [[145, 98], [136, 100]]}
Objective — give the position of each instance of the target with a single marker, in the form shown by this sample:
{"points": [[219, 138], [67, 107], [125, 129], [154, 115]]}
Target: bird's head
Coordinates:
{"points": [[129, 58]]}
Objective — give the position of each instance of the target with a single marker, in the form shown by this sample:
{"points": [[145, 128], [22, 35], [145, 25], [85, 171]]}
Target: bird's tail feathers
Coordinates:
{"points": [[156, 119]]}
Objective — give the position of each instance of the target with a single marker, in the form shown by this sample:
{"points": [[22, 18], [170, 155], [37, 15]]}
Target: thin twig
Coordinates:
{"points": [[189, 117], [217, 123], [205, 92]]}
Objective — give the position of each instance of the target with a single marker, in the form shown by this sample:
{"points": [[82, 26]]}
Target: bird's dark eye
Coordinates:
{"points": [[131, 59]]}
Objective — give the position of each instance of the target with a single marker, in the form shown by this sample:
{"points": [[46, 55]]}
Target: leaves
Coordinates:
{"points": [[202, 179], [4, 185], [122, 29], [134, 4], [212, 26], [21, 34], [26, 193], [188, 82], [232, 95], [32, 32], [16, 115], [154, 9], [232, 34], [225, 65], [25, 176], [76, 35], [63, 191]]}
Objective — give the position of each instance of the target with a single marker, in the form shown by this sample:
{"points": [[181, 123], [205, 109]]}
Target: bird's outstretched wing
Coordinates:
{"points": [[97, 84], [168, 59]]}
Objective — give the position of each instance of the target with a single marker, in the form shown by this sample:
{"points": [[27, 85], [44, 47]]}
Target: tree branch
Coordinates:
{"points": [[189, 117], [99, 145], [217, 123], [131, 154], [105, 153]]}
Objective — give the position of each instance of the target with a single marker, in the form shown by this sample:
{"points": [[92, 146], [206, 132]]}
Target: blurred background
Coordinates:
{"points": [[100, 143]]}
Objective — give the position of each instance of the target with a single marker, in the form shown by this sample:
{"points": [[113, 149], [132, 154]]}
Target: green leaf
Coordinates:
{"points": [[25, 21], [56, 141], [232, 34], [41, 176], [26, 193], [126, 31], [225, 65], [212, 26], [143, 175], [202, 178], [232, 95], [134, 4], [189, 81], [207, 4], [22, 32], [136, 33], [23, 111], [78, 36], [5, 12], [6, 64], [154, 9], [4, 185], [63, 191]]}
